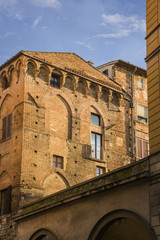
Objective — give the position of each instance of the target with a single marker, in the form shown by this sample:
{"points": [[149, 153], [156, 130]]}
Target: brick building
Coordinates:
{"points": [[64, 122], [133, 80]]}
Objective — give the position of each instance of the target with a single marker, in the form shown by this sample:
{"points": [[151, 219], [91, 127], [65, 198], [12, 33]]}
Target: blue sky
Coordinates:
{"points": [[97, 30]]}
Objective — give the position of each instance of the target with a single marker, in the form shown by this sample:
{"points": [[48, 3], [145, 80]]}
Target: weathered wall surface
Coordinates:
{"points": [[128, 76], [153, 71], [84, 211]]}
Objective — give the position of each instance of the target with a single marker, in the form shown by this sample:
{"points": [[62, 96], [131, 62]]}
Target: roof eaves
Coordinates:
{"points": [[64, 69], [11, 60]]}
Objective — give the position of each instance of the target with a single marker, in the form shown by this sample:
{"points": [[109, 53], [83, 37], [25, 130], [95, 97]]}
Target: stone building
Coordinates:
{"points": [[63, 122], [133, 80]]}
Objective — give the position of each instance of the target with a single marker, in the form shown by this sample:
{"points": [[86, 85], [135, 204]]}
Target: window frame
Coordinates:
{"points": [[56, 163], [95, 146], [141, 117], [53, 82], [99, 119], [99, 168]]}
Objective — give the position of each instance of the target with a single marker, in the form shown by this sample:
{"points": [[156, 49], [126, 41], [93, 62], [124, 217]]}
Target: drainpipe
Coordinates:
{"points": [[132, 115]]}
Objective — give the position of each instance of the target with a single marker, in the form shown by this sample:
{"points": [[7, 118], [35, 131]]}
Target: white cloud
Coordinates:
{"points": [[118, 26], [46, 3], [7, 34], [85, 45], [36, 21]]}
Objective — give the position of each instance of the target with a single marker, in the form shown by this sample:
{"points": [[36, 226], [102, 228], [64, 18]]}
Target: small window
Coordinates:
{"points": [[5, 201], [57, 162], [55, 81], [96, 149], [100, 170], [140, 83], [106, 72], [95, 119], [142, 113], [6, 127]]}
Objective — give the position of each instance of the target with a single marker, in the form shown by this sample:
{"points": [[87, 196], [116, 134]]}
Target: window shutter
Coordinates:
{"points": [[145, 148], [4, 128], [8, 200], [142, 111], [86, 151], [9, 123], [139, 148]]}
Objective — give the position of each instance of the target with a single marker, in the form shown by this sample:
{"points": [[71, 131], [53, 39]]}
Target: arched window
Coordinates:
{"points": [[55, 81], [6, 83]]}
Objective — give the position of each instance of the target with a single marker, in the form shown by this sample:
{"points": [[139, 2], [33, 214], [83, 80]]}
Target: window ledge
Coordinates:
{"points": [[97, 160], [3, 140], [141, 122]]}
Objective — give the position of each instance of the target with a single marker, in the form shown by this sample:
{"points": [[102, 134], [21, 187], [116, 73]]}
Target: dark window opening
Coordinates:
{"points": [[57, 162], [5, 201], [6, 83], [55, 81], [6, 127], [95, 119], [43, 237], [96, 143], [100, 170], [106, 72]]}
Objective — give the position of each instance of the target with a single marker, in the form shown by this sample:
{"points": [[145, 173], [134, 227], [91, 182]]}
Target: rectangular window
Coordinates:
{"points": [[96, 143], [6, 126], [57, 162], [142, 148], [142, 113], [95, 119], [140, 83], [5, 201], [100, 170]]}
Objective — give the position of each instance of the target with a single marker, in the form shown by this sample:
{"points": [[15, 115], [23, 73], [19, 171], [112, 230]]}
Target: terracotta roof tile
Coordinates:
{"points": [[75, 64]]}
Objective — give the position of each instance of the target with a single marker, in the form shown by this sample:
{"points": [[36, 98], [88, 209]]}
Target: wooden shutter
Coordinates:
{"points": [[139, 148], [145, 148], [8, 200], [4, 122], [86, 151], [9, 124]]}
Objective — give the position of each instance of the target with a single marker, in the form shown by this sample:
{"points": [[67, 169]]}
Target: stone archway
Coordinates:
{"points": [[122, 225], [43, 234]]}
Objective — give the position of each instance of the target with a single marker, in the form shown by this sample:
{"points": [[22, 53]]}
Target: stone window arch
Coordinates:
{"points": [[81, 87], [69, 83], [115, 99], [4, 81], [31, 68], [44, 73], [105, 96], [93, 91]]}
